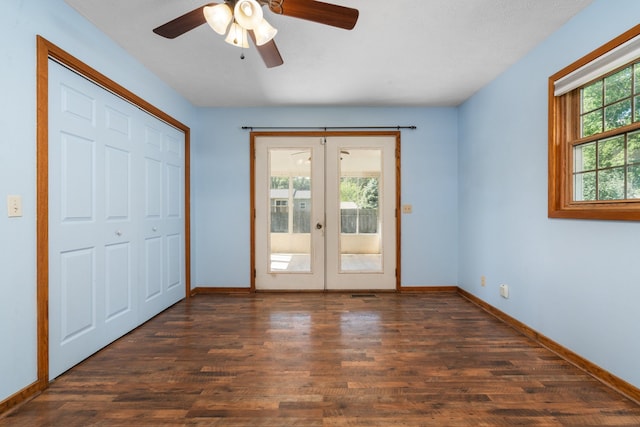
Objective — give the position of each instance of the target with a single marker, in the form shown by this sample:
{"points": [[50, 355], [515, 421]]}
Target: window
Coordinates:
{"points": [[594, 134]]}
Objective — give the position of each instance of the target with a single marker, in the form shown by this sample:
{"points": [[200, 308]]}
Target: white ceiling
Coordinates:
{"points": [[450, 49]]}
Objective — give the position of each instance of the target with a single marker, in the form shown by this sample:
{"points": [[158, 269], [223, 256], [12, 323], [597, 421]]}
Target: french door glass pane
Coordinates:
{"points": [[360, 218], [290, 218]]}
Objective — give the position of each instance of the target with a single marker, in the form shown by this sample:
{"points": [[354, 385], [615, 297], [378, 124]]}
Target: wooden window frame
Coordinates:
{"points": [[563, 134]]}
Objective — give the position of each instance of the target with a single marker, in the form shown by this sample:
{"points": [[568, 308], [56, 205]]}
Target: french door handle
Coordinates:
{"points": [[319, 226]]}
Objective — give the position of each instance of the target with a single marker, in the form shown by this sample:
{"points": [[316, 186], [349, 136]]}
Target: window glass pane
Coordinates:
{"points": [[592, 123], [290, 194], [633, 182], [637, 78], [302, 204], [584, 185], [617, 86], [279, 204], [611, 152], [636, 116], [611, 184], [617, 115], [592, 97], [358, 204], [633, 147], [584, 157], [360, 237]]}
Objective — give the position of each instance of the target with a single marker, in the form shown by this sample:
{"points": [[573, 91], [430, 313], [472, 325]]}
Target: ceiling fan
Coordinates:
{"points": [[241, 18]]}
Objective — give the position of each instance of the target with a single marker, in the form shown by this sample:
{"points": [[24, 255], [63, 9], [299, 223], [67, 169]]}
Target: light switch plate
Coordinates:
{"points": [[14, 206]]}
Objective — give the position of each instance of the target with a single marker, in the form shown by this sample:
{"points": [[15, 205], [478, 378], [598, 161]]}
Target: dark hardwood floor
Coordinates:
{"points": [[325, 360]]}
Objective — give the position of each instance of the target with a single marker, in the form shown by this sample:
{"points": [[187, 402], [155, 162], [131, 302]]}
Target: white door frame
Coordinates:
{"points": [[393, 213]]}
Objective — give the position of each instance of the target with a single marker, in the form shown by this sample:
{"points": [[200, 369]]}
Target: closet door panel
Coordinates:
{"points": [[116, 223]]}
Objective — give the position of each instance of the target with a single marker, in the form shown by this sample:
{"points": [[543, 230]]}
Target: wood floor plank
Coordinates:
{"points": [[325, 360]]}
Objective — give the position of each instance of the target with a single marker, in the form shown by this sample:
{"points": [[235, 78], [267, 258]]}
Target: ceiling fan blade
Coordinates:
{"points": [[317, 11], [182, 24], [268, 51]]}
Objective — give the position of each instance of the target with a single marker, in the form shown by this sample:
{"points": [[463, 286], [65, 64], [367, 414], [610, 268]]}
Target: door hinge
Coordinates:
{"points": [[255, 273]]}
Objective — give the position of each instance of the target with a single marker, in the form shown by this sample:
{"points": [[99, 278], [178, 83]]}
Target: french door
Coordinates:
{"points": [[325, 211]]}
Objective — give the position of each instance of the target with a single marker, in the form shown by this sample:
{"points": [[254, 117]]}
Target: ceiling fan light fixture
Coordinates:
{"points": [[248, 13], [218, 17], [237, 36], [264, 32]]}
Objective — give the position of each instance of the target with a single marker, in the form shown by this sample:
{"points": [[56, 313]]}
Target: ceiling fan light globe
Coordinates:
{"points": [[218, 17], [264, 32], [248, 13], [237, 36]]}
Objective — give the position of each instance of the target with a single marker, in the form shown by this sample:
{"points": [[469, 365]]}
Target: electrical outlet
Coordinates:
{"points": [[14, 206], [407, 209], [504, 291], [483, 281]]}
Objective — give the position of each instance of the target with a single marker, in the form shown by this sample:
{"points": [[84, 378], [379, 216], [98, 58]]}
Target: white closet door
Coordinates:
{"points": [[91, 225], [162, 251], [102, 186]]}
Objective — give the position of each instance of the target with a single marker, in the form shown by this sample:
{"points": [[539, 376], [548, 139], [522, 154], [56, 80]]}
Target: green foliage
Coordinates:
{"points": [[617, 115], [607, 103], [617, 86], [362, 191], [301, 183], [633, 182], [349, 190], [282, 182], [602, 172], [611, 184], [633, 147], [609, 169], [370, 194], [585, 157], [592, 123], [611, 152], [592, 97], [279, 182]]}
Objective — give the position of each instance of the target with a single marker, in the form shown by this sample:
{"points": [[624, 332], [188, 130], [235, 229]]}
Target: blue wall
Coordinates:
{"points": [[20, 21], [574, 281], [220, 172]]}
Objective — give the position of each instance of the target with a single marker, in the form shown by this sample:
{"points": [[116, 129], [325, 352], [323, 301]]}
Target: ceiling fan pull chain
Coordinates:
{"points": [[242, 46]]}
